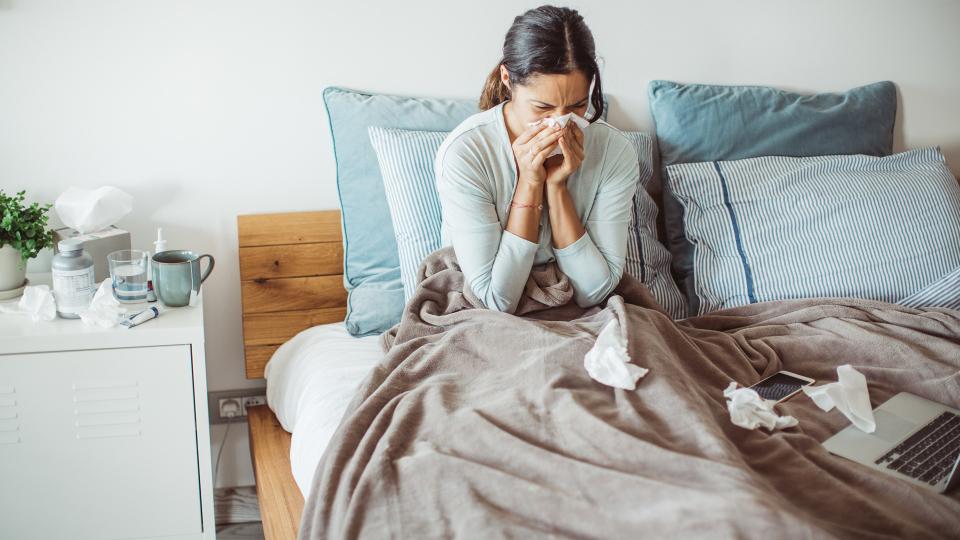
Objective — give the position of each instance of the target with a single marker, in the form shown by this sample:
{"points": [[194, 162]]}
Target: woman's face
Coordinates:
{"points": [[542, 96]]}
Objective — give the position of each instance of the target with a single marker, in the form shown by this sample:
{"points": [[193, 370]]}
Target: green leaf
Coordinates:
{"points": [[24, 227]]}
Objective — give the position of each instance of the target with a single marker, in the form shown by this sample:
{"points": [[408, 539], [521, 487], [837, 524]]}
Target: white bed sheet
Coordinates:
{"points": [[310, 381]]}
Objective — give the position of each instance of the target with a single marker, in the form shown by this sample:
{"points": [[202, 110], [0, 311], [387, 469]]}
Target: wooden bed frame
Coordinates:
{"points": [[291, 278]]}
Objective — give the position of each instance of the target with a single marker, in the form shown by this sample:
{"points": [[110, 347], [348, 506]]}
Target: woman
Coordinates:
{"points": [[508, 206]]}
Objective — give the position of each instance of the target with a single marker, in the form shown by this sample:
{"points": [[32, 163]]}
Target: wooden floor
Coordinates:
{"points": [[281, 503], [240, 531], [237, 504]]}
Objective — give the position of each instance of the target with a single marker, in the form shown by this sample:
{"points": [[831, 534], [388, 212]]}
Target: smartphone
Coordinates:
{"points": [[781, 386]]}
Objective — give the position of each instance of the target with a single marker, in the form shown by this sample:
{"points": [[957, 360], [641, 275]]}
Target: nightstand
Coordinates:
{"points": [[104, 431]]}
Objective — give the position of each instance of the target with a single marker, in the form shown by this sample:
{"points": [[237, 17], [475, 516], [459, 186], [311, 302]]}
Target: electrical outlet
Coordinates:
{"points": [[231, 408], [231, 405], [253, 401]]}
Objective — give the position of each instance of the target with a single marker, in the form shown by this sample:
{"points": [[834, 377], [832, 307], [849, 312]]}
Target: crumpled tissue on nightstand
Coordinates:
{"points": [[849, 395], [608, 361], [750, 411], [104, 310], [562, 121], [37, 302]]}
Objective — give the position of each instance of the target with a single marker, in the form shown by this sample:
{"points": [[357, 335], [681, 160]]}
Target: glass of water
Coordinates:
{"points": [[128, 271]]}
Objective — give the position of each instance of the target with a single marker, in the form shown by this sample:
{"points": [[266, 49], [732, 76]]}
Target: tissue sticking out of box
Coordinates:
{"points": [[608, 361], [89, 210]]}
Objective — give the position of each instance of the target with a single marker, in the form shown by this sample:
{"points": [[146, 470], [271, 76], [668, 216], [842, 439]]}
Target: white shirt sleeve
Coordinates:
{"points": [[495, 262], [594, 263]]}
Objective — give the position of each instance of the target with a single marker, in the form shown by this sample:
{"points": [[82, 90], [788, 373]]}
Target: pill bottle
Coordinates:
{"points": [[73, 278]]}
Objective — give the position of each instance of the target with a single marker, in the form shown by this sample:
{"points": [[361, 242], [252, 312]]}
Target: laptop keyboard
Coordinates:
{"points": [[929, 454]]}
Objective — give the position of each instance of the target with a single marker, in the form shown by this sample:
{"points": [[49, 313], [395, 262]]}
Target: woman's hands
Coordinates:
{"points": [[531, 149], [533, 146], [559, 168], [545, 179]]}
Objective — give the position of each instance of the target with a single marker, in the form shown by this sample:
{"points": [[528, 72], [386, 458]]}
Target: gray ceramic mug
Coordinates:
{"points": [[176, 273]]}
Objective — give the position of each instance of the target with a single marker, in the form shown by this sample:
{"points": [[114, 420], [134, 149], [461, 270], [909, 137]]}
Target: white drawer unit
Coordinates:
{"points": [[104, 432]]}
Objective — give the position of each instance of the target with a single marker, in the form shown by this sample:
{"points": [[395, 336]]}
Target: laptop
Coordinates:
{"points": [[916, 440]]}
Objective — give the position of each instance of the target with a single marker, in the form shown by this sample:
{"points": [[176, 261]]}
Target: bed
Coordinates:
{"points": [[291, 279], [278, 469], [459, 421]]}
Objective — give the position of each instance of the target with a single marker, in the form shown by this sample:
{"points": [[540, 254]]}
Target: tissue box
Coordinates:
{"points": [[98, 245]]}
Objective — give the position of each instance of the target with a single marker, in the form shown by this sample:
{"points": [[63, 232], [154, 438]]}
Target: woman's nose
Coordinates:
{"points": [[559, 111]]}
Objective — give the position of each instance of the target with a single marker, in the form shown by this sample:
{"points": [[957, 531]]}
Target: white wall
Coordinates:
{"points": [[203, 110]]}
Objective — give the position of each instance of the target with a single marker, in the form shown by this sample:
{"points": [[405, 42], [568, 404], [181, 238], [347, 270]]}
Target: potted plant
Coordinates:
{"points": [[23, 233]]}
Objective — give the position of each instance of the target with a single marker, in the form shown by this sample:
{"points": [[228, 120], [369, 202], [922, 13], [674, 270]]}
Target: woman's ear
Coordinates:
{"points": [[504, 76]]}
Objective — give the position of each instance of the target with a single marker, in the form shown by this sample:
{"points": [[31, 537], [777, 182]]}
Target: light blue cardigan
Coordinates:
{"points": [[476, 177]]}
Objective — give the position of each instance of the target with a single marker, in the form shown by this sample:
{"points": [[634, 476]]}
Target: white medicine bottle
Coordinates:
{"points": [[73, 278]]}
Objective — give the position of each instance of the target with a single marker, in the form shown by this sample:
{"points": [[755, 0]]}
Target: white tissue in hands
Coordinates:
{"points": [[849, 395], [748, 410], [104, 310], [562, 121], [608, 361], [90, 210], [37, 302]]}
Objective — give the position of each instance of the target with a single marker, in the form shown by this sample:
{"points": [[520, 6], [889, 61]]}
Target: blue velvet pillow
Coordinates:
{"points": [[702, 123], [371, 270]]}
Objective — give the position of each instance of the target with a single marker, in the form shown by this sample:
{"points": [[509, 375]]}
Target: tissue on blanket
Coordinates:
{"points": [[562, 121], [37, 302], [849, 395], [608, 361], [748, 410], [104, 310]]}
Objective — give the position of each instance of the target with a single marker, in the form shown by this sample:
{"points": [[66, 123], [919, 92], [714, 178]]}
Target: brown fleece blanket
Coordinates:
{"points": [[479, 424]]}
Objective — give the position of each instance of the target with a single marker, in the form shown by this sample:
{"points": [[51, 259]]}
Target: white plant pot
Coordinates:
{"points": [[12, 270]]}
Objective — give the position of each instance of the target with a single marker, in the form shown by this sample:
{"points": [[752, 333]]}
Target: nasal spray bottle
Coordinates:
{"points": [[158, 245], [154, 311]]}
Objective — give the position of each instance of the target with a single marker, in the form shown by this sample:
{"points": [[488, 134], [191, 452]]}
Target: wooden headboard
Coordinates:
{"points": [[291, 278]]}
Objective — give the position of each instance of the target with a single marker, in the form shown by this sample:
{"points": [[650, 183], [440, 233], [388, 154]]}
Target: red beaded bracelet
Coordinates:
{"points": [[521, 205]]}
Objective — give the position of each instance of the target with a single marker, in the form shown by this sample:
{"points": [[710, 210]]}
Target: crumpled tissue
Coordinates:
{"points": [[37, 302], [608, 361], [91, 210], [104, 309], [562, 121], [849, 395], [748, 410]]}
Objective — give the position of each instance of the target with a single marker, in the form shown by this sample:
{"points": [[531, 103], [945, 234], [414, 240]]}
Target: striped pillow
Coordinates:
{"points": [[406, 164], [647, 259], [944, 293], [774, 228]]}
